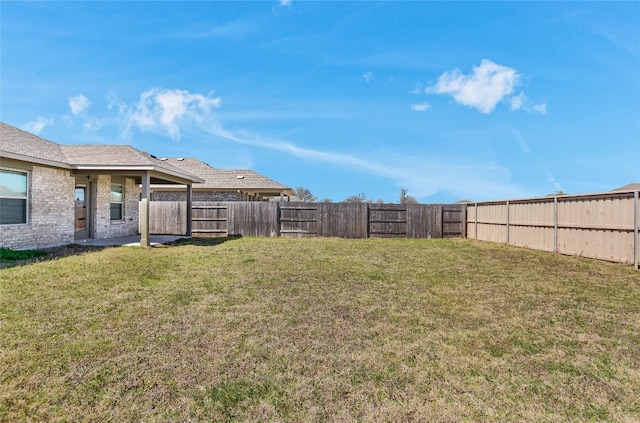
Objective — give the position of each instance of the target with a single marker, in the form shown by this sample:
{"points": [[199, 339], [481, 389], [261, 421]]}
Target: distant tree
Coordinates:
{"points": [[558, 192], [305, 195], [379, 201], [327, 200], [406, 198], [360, 198]]}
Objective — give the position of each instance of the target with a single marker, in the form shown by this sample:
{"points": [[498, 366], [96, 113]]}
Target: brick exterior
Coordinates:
{"points": [[51, 213], [50, 219], [104, 227], [196, 196]]}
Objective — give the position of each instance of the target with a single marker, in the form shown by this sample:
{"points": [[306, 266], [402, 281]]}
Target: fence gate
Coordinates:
{"points": [[210, 220], [298, 220], [387, 221]]}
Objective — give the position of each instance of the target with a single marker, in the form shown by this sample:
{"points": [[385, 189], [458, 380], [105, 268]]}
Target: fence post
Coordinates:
{"points": [[476, 225], [555, 224], [635, 229], [507, 221], [278, 224], [189, 228], [463, 218]]}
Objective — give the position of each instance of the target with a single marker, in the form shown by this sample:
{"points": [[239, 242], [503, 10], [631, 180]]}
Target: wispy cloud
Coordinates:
{"points": [[368, 76], [163, 111], [229, 30], [524, 146], [421, 107], [423, 178], [540, 108], [556, 185], [78, 104], [417, 90], [521, 101], [286, 3], [169, 112], [483, 89], [36, 126]]}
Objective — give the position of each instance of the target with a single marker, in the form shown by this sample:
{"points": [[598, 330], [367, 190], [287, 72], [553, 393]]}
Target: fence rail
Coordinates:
{"points": [[343, 220], [602, 226]]}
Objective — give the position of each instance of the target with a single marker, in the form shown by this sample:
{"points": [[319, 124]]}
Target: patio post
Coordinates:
{"points": [[144, 211]]}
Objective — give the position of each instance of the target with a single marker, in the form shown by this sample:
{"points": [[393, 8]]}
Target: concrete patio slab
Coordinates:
{"points": [[128, 241]]}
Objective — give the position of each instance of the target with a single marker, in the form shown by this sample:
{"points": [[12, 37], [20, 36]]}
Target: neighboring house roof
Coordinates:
{"points": [[228, 179], [21, 145], [634, 186]]}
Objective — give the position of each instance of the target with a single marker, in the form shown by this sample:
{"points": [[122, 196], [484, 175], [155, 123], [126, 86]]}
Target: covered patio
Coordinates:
{"points": [[92, 163]]}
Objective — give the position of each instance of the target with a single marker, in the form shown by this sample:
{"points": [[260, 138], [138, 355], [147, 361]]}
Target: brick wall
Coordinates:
{"points": [[196, 196], [104, 227], [51, 213]]}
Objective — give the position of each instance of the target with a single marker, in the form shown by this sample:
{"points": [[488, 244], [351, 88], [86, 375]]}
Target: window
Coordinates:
{"points": [[13, 197], [117, 197]]}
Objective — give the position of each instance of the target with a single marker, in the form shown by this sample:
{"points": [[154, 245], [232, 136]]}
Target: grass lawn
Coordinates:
{"points": [[277, 329]]}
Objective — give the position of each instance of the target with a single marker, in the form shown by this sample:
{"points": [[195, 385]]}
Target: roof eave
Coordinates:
{"points": [[36, 160], [181, 178]]}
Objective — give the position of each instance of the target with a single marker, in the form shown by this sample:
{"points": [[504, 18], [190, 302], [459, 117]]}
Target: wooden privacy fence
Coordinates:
{"points": [[602, 226], [343, 220]]}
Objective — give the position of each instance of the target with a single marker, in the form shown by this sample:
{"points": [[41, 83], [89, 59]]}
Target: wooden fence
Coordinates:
{"points": [[602, 226], [343, 220]]}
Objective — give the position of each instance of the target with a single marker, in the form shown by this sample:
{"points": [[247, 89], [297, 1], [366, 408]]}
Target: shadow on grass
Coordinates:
{"points": [[21, 258], [11, 258], [202, 241]]}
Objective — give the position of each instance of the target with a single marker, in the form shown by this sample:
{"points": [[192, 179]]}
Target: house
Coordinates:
{"points": [[52, 194], [220, 184], [633, 186]]}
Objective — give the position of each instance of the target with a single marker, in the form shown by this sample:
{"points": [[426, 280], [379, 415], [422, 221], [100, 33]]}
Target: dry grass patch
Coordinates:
{"points": [[320, 330]]}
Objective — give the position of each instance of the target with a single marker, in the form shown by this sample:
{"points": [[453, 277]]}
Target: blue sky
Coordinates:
{"points": [[451, 100]]}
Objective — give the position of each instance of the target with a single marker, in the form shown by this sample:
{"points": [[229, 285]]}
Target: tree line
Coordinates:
{"points": [[305, 195]]}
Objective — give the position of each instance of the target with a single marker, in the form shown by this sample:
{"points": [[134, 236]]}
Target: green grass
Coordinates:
{"points": [[9, 255], [278, 329]]}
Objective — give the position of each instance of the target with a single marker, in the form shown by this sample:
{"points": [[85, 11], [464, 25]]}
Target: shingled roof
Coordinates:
{"points": [[634, 186], [227, 179], [117, 156], [21, 145], [18, 144]]}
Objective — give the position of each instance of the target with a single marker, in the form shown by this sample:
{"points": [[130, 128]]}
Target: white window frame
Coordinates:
{"points": [[25, 198], [121, 203]]}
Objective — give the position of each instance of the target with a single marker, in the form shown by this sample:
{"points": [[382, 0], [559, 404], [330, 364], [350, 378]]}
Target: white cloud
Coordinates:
{"points": [[368, 76], [286, 3], [517, 101], [36, 126], [116, 103], [164, 111], [483, 89], [540, 108], [521, 101], [422, 107], [78, 104], [417, 90]]}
